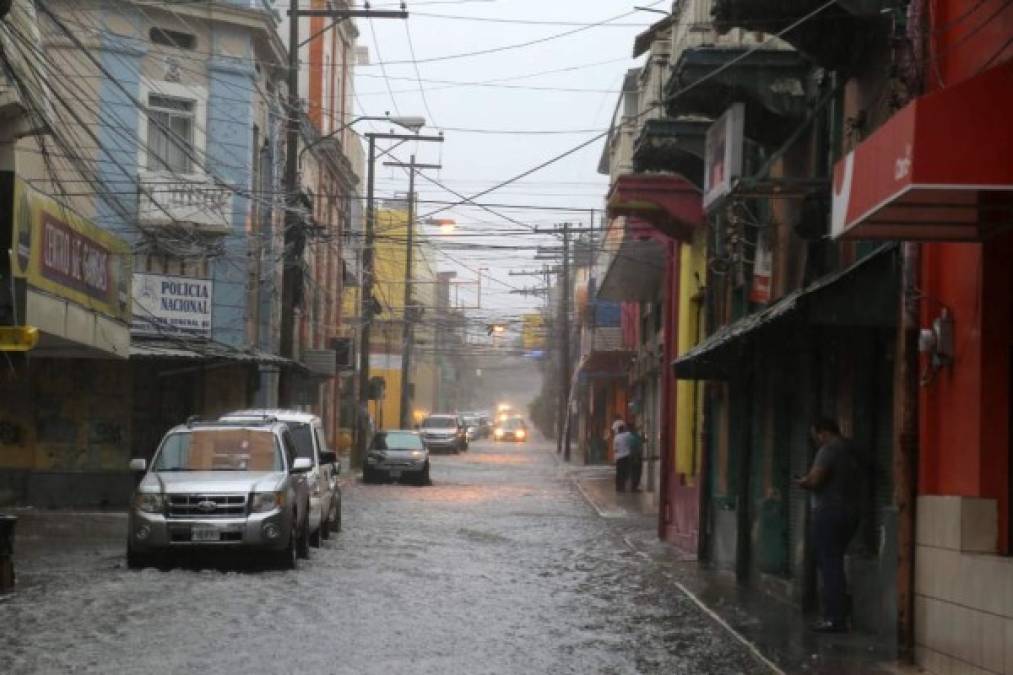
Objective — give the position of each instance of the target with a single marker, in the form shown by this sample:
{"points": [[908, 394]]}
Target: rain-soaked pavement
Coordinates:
{"points": [[499, 567]]}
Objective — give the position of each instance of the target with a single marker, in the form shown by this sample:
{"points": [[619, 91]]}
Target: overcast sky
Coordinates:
{"points": [[597, 58]]}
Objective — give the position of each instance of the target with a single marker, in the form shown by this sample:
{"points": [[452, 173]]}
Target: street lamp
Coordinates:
{"points": [[410, 122]]}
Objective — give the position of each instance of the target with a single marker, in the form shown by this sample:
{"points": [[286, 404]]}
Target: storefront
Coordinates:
{"points": [[664, 215], [65, 420], [824, 350], [938, 174]]}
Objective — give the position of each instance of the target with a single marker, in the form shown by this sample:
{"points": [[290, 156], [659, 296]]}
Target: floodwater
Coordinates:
{"points": [[499, 567]]}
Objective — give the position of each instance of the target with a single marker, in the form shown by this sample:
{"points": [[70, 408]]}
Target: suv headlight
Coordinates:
{"points": [[374, 457], [150, 502], [266, 501]]}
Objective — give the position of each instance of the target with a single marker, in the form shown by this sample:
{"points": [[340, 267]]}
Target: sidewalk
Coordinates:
{"points": [[776, 631]]}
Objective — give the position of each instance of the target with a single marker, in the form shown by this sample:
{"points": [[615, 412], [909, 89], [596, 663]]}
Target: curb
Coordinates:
{"points": [[714, 616], [609, 515]]}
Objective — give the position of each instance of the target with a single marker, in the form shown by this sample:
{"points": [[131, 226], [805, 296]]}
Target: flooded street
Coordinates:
{"points": [[499, 567]]}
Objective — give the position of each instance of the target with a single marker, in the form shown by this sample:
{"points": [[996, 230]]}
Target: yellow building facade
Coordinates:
{"points": [[386, 348], [689, 393]]}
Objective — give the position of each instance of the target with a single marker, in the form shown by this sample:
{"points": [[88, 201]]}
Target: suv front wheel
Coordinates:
{"points": [[302, 544], [137, 561], [286, 559]]}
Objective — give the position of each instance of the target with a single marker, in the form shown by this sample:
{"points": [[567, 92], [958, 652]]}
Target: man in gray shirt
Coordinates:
{"points": [[835, 481]]}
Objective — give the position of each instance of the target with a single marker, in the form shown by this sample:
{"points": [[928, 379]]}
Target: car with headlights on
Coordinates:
{"points": [[512, 429], [221, 485], [395, 455], [472, 426], [310, 442], [444, 432]]}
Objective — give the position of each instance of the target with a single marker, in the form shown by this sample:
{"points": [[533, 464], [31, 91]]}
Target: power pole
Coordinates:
{"points": [[366, 301], [410, 314], [295, 235], [562, 439]]}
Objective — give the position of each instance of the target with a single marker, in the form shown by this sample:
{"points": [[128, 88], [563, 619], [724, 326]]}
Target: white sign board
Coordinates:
{"points": [[723, 154], [172, 305]]}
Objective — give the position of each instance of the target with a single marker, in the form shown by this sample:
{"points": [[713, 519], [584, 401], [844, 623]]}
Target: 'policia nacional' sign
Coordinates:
{"points": [[172, 305]]}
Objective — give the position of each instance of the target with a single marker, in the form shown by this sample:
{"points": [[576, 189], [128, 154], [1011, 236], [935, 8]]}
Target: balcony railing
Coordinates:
{"points": [[195, 202]]}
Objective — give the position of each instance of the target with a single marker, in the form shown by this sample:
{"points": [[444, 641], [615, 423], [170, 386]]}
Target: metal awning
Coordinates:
{"points": [[192, 349], [670, 203], [938, 170], [637, 269], [855, 304]]}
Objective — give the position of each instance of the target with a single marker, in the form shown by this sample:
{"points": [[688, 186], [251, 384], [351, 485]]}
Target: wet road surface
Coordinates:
{"points": [[499, 567]]}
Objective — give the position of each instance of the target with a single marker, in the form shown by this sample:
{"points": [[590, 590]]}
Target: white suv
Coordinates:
{"points": [[310, 442]]}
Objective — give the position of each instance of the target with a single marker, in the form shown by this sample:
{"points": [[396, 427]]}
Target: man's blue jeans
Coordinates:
{"points": [[833, 528]]}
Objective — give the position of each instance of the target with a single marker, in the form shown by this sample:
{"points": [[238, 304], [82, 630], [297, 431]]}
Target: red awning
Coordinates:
{"points": [[668, 202], [938, 170]]}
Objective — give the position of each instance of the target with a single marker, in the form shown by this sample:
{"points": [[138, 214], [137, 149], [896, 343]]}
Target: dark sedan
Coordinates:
{"points": [[394, 455]]}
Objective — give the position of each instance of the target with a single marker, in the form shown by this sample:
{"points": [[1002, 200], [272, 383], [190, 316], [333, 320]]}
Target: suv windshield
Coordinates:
{"points": [[440, 423], [220, 450], [396, 440], [513, 424]]}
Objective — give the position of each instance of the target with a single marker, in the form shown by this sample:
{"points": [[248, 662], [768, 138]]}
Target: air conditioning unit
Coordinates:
{"points": [[344, 353]]}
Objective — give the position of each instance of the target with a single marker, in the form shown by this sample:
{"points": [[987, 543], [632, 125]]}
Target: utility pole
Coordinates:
{"points": [[562, 439], [295, 235], [366, 301], [410, 314]]}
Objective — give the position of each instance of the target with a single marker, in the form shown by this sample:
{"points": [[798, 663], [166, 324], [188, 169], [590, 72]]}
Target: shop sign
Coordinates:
{"points": [[172, 305], [938, 170], [723, 154], [65, 255]]}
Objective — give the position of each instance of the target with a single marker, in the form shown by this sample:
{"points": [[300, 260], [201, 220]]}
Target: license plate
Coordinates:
{"points": [[205, 534], [395, 473]]}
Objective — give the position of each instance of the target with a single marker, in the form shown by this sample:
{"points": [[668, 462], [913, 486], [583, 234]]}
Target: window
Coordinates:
{"points": [[219, 450], [322, 440], [631, 103], [172, 38], [170, 134], [302, 434]]}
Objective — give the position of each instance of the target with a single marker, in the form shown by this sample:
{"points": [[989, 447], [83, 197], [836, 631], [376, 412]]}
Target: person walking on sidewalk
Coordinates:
{"points": [[636, 458], [835, 483], [622, 444]]}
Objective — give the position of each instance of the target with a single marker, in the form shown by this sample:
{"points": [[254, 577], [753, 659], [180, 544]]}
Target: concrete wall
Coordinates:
{"points": [[64, 433]]}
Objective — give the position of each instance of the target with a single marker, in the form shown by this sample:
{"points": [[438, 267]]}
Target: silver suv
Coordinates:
{"points": [[222, 484], [310, 442]]}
